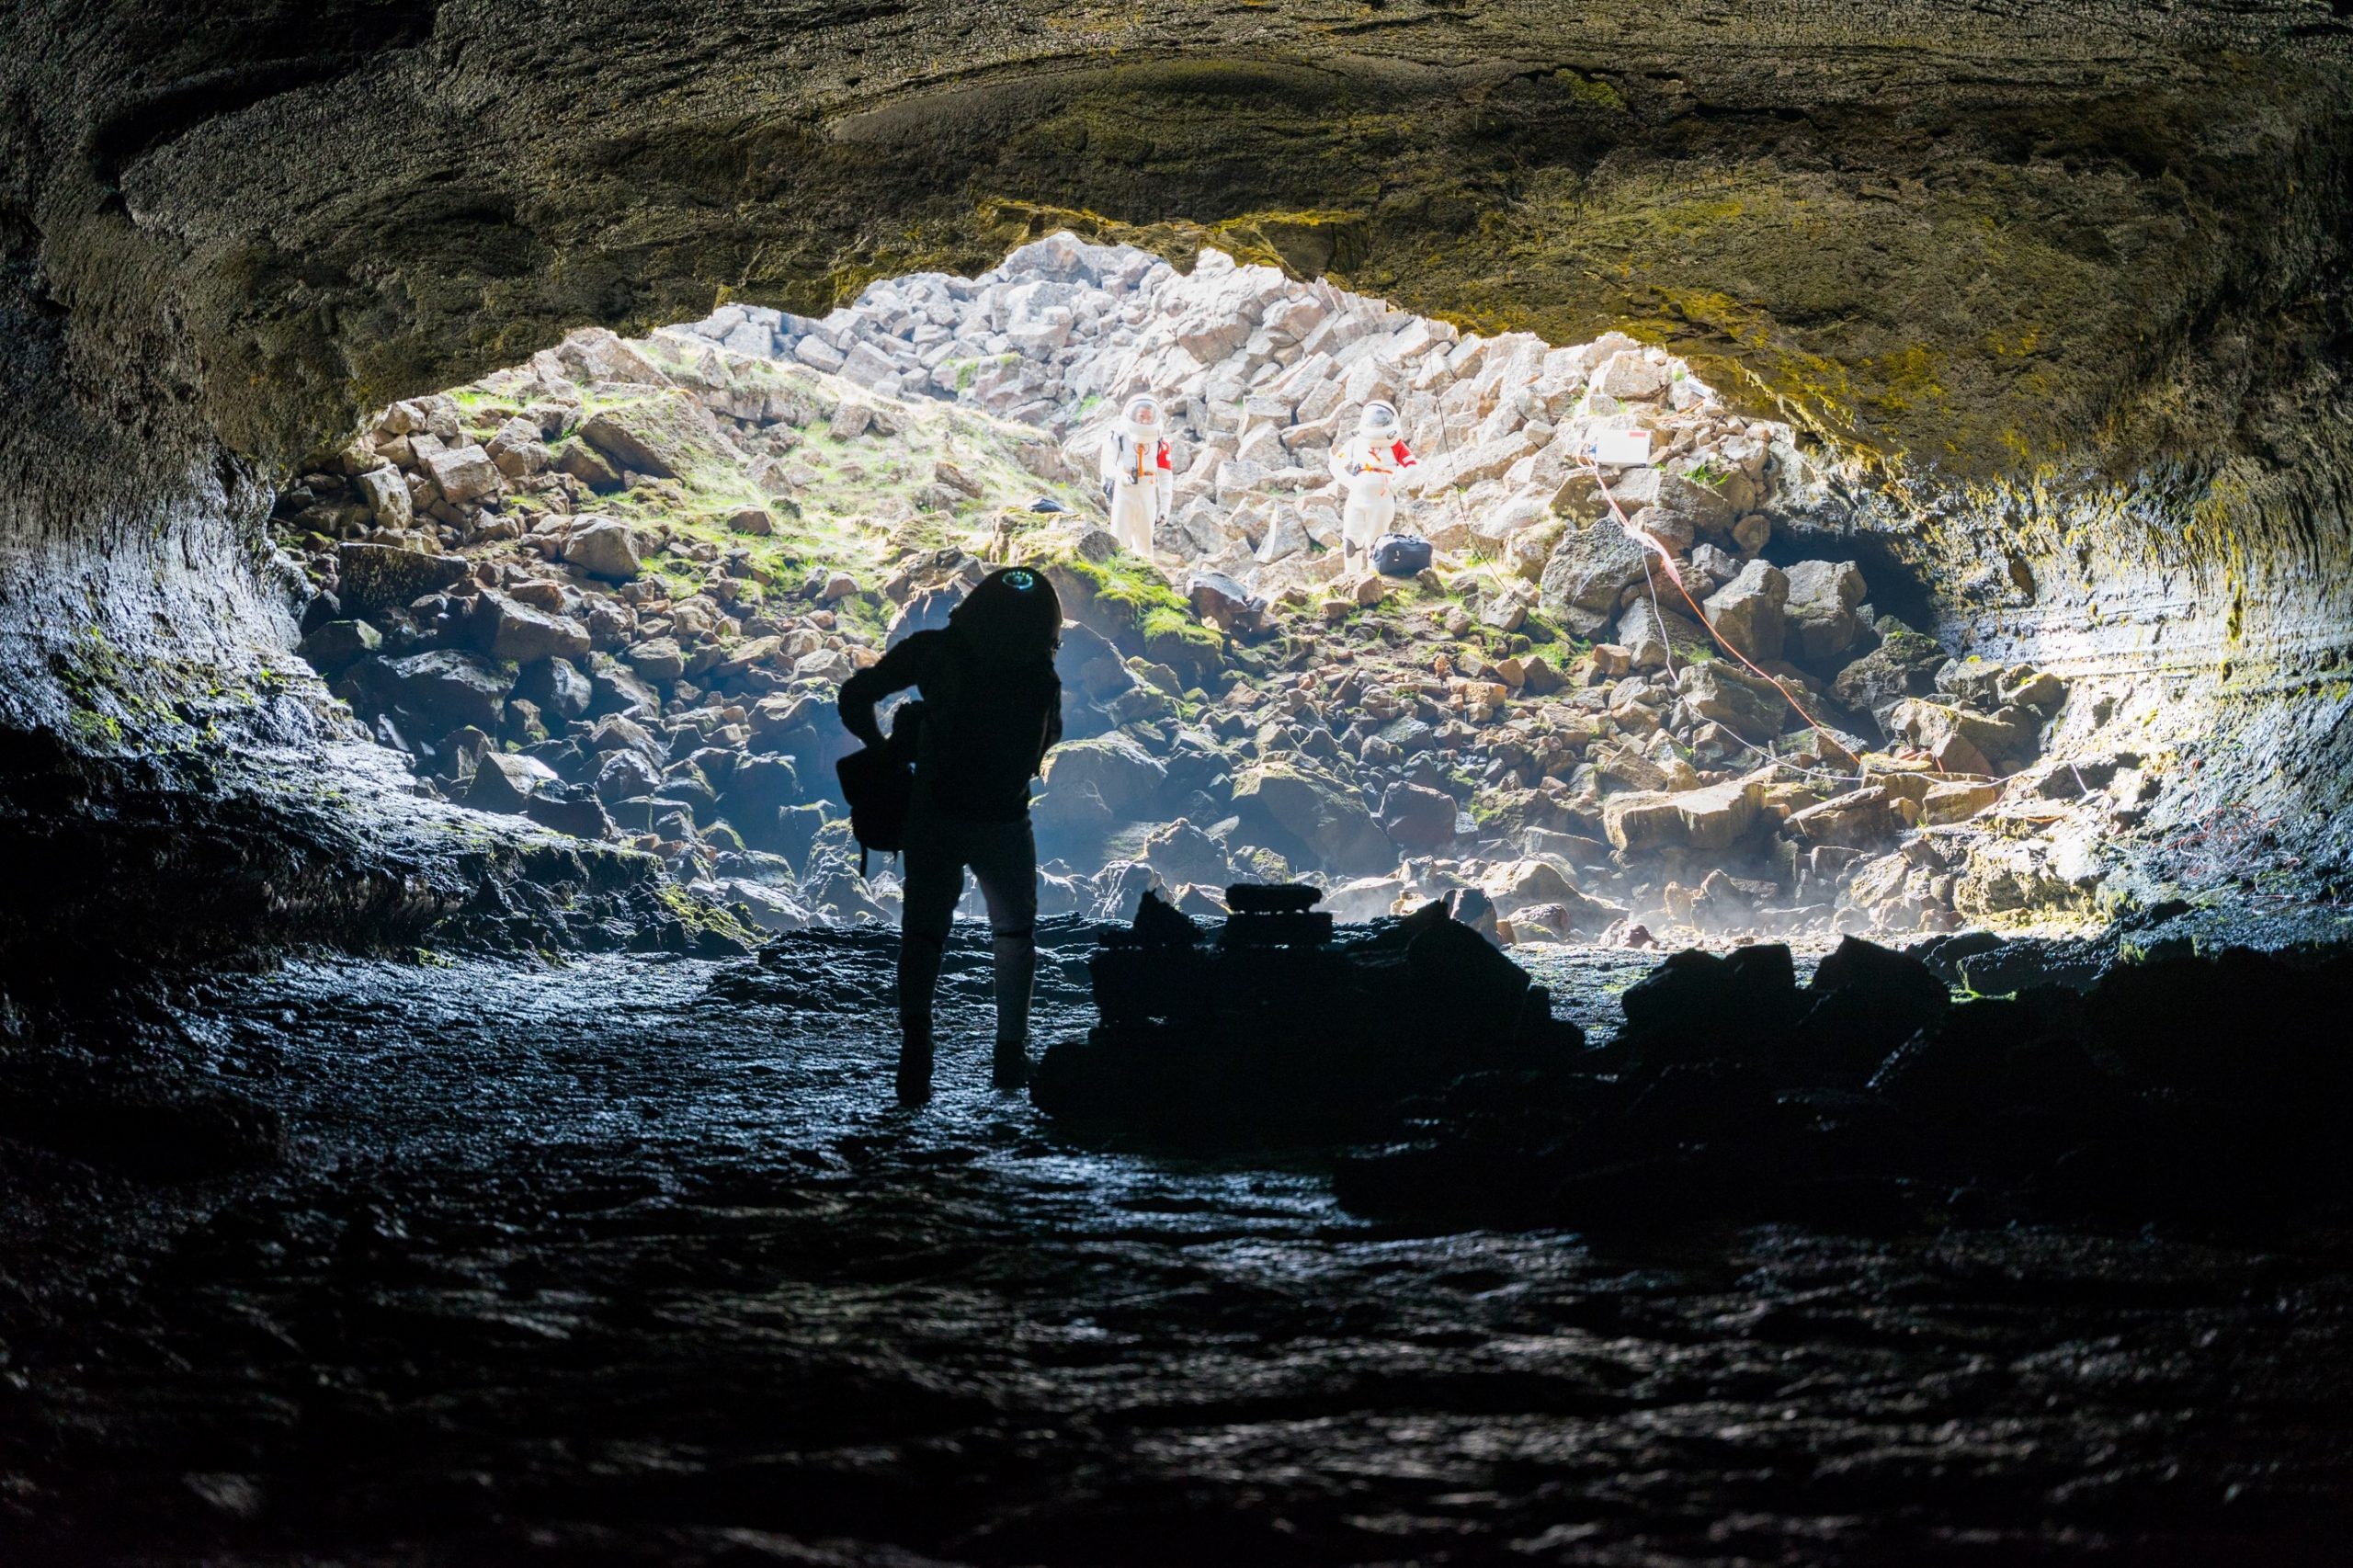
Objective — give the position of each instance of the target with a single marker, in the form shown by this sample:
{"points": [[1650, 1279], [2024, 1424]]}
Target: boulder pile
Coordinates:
{"points": [[1260, 373], [2184, 1088], [1280, 1025], [615, 588]]}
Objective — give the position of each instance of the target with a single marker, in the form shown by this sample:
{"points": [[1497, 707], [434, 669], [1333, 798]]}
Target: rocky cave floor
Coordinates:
{"points": [[629, 1260]]}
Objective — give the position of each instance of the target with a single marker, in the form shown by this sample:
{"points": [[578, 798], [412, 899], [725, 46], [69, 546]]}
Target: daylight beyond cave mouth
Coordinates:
{"points": [[614, 589]]}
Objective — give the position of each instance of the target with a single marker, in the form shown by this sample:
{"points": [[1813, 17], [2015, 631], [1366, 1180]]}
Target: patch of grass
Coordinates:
{"points": [[1123, 594], [698, 916], [1591, 90]]}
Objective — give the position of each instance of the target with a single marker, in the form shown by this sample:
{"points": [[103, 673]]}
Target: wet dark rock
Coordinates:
{"points": [[1416, 817], [151, 1121], [582, 815], [1865, 1001], [557, 685], [2186, 1090], [1698, 1005], [504, 783], [543, 1231], [2005, 968], [325, 606], [1988, 1055], [372, 578], [1296, 803], [1273, 898], [441, 690], [337, 644], [1943, 955], [626, 774], [1904, 665], [1158, 925], [1284, 1035]]}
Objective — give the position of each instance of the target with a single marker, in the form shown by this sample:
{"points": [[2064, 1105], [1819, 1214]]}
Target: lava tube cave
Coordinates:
{"points": [[1649, 715]]}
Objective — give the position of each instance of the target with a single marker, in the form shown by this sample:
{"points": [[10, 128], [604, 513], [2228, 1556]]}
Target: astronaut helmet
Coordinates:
{"points": [[1142, 420], [1378, 419]]}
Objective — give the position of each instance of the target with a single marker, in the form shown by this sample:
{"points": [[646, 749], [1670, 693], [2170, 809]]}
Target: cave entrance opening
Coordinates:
{"points": [[614, 587]]}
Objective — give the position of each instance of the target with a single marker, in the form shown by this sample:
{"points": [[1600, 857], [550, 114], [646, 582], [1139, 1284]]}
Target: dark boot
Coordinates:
{"points": [[1011, 1068], [915, 1061], [918, 979], [1015, 961]]}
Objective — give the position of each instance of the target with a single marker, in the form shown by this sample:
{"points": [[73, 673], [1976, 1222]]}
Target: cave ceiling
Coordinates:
{"points": [[1956, 236]]}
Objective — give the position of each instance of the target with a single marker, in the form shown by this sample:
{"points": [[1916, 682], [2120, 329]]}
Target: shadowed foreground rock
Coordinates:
{"points": [[2207, 1091], [633, 1262], [1282, 1029]]}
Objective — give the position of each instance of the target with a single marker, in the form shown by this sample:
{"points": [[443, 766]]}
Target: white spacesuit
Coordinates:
{"points": [[1137, 479], [1368, 463]]}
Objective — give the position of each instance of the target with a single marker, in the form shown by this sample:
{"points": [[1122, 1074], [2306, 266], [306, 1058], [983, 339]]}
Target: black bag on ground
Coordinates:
{"points": [[1400, 555], [880, 785]]}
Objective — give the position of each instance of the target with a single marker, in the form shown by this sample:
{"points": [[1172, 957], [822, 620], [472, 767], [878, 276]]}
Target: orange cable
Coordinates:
{"points": [[1653, 547]]}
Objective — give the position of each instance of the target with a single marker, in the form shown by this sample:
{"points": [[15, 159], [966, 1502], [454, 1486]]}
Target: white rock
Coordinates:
{"points": [[1286, 536], [1630, 377], [463, 473], [387, 496], [818, 354], [830, 665], [603, 548], [754, 341]]}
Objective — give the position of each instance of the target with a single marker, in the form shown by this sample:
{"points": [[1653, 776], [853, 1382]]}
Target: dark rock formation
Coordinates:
{"points": [[1282, 1028], [2186, 1090]]}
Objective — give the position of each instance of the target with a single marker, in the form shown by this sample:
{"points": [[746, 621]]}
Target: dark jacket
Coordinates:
{"points": [[986, 724]]}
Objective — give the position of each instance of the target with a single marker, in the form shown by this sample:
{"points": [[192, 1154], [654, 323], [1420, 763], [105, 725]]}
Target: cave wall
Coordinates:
{"points": [[2058, 289]]}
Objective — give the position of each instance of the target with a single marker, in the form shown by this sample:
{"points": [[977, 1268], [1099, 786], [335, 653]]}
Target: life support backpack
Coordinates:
{"points": [[1400, 555], [879, 782]]}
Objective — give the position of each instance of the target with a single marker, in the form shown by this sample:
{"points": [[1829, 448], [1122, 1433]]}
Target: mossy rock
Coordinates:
{"points": [[373, 578], [1132, 608]]}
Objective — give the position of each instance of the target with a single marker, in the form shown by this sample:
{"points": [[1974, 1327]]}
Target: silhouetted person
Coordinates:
{"points": [[992, 708]]}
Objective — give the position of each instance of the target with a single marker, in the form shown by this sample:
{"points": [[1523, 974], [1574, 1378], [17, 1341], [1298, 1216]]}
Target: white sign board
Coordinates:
{"points": [[1622, 449]]}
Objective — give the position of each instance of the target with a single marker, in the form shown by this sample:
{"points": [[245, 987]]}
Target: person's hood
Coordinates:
{"points": [[1013, 616]]}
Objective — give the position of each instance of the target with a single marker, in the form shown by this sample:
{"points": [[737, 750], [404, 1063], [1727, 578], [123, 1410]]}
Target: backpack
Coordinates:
{"points": [[879, 782], [1400, 555]]}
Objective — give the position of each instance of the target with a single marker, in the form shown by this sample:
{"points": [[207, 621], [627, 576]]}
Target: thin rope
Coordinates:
{"points": [[1666, 560]]}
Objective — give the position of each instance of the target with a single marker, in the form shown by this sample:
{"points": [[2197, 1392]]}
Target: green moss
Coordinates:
{"points": [[700, 917], [1591, 90], [94, 730], [1163, 625], [1305, 242]]}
